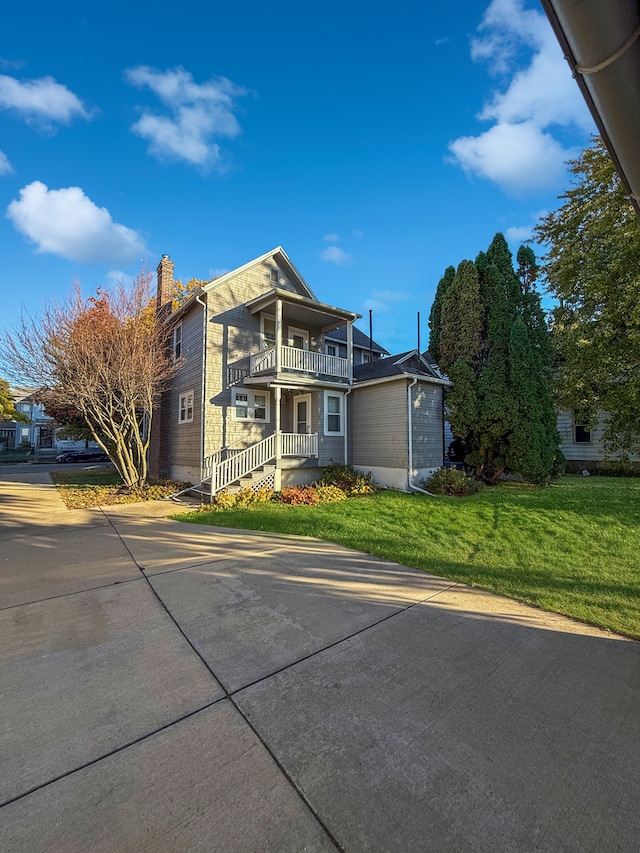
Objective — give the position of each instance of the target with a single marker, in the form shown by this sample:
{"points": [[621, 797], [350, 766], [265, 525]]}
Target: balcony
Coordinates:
{"points": [[294, 360]]}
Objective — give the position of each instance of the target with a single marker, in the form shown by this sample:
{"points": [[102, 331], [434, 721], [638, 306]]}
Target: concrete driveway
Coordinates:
{"points": [[171, 687]]}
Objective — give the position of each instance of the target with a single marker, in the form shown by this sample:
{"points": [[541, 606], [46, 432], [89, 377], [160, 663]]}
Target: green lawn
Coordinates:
{"points": [[573, 548]]}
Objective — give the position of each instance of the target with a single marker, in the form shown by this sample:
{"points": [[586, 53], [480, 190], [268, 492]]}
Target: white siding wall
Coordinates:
{"points": [[585, 452]]}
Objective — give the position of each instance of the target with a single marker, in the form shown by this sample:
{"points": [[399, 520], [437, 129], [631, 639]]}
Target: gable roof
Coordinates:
{"points": [[409, 363], [280, 257], [360, 340]]}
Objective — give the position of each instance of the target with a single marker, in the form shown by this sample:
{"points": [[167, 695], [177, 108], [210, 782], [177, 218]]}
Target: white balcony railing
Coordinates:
{"points": [[302, 361]]}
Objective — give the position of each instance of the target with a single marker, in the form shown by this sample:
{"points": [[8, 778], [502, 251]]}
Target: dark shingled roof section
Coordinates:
{"points": [[382, 368], [359, 339]]}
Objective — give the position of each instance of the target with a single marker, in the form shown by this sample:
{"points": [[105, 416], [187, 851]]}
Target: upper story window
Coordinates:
{"points": [[268, 331], [333, 413], [581, 432], [274, 276], [185, 408], [250, 405], [332, 349], [366, 356], [177, 342]]}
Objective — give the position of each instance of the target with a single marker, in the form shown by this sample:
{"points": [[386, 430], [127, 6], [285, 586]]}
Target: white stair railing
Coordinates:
{"points": [[242, 463], [224, 472]]}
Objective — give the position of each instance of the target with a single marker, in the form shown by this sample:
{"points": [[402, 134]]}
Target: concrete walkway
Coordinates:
{"points": [[172, 687]]}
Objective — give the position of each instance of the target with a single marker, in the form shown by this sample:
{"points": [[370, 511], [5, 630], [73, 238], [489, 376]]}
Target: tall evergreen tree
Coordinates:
{"points": [[494, 346], [435, 315]]}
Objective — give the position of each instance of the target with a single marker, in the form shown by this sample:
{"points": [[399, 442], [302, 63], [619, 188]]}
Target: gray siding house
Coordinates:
{"points": [[264, 388], [582, 444], [396, 422]]}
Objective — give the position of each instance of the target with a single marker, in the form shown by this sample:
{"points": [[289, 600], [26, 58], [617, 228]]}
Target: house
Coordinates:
{"points": [[582, 444], [265, 389], [397, 419], [39, 430]]}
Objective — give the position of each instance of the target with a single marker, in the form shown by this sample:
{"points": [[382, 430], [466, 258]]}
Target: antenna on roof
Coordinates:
{"points": [[371, 332], [418, 333]]}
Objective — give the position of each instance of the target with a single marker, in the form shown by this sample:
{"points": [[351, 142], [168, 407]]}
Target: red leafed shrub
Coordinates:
{"points": [[297, 495]]}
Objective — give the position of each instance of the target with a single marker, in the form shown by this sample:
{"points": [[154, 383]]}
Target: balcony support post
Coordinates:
{"points": [[278, 335], [350, 350], [277, 392]]}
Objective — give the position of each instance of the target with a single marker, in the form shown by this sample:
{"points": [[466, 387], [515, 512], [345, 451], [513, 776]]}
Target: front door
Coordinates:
{"points": [[303, 414]]}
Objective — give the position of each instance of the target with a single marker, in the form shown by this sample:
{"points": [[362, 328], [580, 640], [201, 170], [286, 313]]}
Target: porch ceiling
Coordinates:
{"points": [[302, 311]]}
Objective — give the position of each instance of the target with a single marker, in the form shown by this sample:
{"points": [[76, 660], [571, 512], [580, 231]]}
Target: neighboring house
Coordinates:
{"points": [[582, 444], [262, 396], [365, 349], [39, 432]]}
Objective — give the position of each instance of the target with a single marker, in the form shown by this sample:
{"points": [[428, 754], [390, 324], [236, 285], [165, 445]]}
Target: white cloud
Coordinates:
{"points": [[5, 166], [533, 101], [117, 277], [336, 255], [197, 114], [384, 301], [357, 234], [517, 157], [331, 238], [216, 272], [519, 234], [65, 222], [42, 101]]}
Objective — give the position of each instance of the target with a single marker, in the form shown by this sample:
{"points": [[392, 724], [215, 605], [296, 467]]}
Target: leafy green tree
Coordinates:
{"points": [[592, 267], [494, 346], [8, 411]]}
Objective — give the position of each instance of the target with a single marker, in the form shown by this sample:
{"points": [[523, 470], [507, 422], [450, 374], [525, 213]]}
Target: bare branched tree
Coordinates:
{"points": [[105, 356]]}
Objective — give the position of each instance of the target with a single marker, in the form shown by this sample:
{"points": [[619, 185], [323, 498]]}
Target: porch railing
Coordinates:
{"points": [[299, 444], [240, 463], [302, 360]]}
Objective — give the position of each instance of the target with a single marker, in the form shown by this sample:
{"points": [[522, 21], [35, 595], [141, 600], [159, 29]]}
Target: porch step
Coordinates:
{"points": [[252, 481]]}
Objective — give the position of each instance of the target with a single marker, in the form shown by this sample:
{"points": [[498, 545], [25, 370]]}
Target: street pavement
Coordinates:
{"points": [[174, 687]]}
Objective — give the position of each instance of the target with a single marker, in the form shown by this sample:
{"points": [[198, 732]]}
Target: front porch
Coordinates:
{"points": [[257, 465]]}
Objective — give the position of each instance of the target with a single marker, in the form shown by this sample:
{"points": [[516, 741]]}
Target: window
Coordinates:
{"points": [[298, 338], [185, 409], [274, 276], [332, 349], [250, 405], [366, 356], [581, 432], [177, 342], [333, 414], [268, 330]]}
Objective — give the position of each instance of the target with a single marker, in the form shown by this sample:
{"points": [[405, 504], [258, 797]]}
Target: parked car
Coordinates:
{"points": [[91, 454]]}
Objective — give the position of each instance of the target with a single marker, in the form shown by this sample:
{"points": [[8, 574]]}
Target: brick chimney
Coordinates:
{"points": [[159, 445], [165, 283]]}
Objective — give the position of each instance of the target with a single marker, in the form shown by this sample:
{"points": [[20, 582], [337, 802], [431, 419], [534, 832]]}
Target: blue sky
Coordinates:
{"points": [[377, 142]]}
